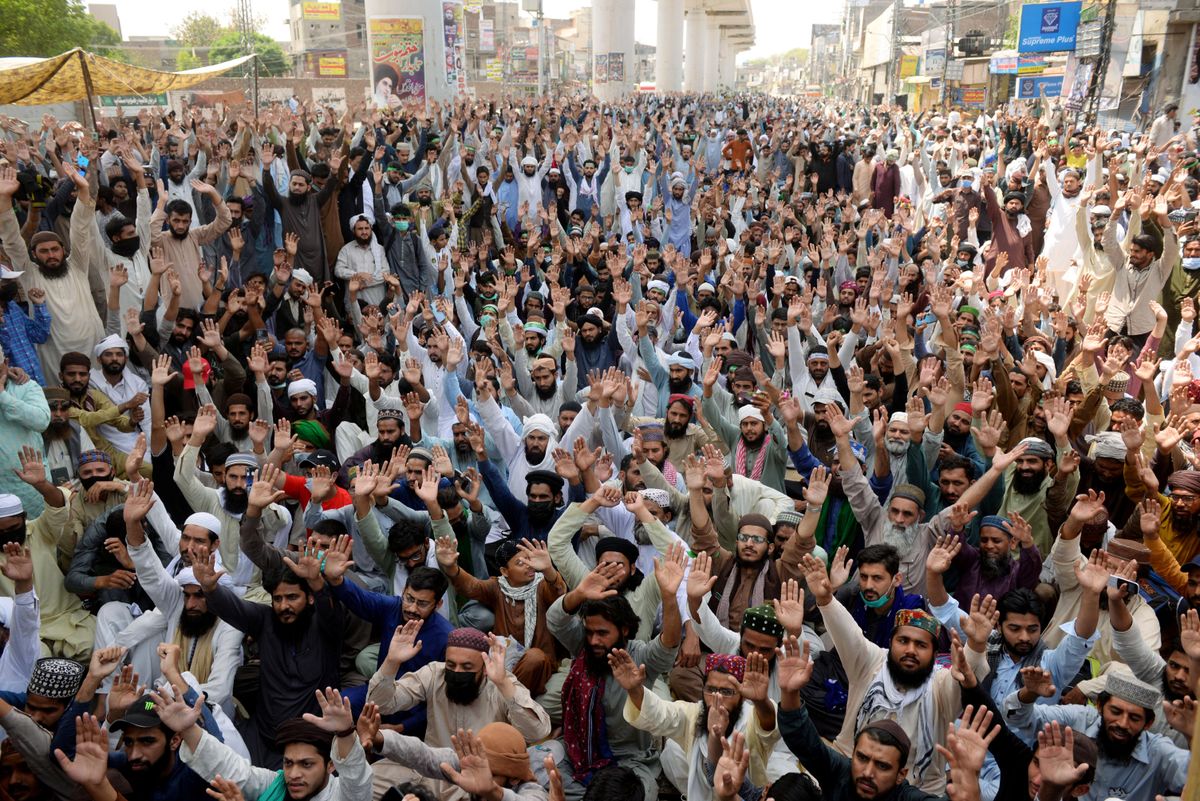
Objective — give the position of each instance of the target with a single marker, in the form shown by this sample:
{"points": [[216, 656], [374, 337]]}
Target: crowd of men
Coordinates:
{"points": [[720, 447]]}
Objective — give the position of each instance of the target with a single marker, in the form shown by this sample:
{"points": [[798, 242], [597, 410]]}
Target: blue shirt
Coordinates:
{"points": [[19, 334]]}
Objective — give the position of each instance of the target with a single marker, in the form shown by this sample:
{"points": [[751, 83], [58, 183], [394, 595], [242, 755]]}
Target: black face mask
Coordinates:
{"points": [[16, 535], [462, 687], [127, 247], [8, 291], [91, 481], [540, 511]]}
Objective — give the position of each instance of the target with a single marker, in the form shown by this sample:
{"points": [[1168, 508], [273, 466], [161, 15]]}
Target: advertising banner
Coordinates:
{"points": [[487, 35], [616, 67], [935, 61], [397, 59], [1048, 27], [908, 66], [600, 72], [158, 100], [1039, 86], [321, 12], [455, 38], [969, 96]]}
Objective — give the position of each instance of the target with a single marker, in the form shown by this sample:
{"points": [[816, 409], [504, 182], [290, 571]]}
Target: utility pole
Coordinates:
{"points": [[1097, 85], [949, 48], [246, 25], [894, 76], [541, 45]]}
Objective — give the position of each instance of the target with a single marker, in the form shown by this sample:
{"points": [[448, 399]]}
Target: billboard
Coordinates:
{"points": [[1039, 86], [935, 61], [1048, 27], [454, 37], [908, 66], [487, 35], [397, 59], [600, 71], [330, 64], [969, 96], [321, 12], [155, 100]]}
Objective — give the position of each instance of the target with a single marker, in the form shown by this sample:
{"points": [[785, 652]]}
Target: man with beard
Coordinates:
{"points": [[535, 516], [227, 504], [1180, 506], [364, 261], [128, 245], [898, 458], [1169, 668], [677, 378], [149, 757], [682, 434], [592, 624], [903, 526], [469, 690], [1103, 471], [991, 569], [900, 682], [1011, 229], [46, 265], [182, 241], [1028, 484], [735, 700], [1061, 243], [301, 213], [540, 388], [595, 347], [207, 648], [756, 443], [93, 409], [121, 385], [299, 636], [20, 334], [538, 439], [389, 435], [1134, 763]]}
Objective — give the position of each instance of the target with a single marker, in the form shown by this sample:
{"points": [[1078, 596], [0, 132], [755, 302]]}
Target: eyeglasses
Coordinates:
{"points": [[1182, 498], [723, 692], [60, 404], [411, 600], [754, 538]]}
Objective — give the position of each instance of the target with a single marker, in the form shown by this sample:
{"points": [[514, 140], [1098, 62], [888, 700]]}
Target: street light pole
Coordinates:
{"points": [[541, 43]]}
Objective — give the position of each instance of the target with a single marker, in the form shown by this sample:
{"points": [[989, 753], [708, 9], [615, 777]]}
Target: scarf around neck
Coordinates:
{"points": [[527, 595], [585, 728], [884, 699], [760, 461]]}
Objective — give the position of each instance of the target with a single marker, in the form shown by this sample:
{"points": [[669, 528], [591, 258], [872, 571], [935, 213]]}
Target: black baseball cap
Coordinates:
{"points": [[141, 714], [318, 458]]}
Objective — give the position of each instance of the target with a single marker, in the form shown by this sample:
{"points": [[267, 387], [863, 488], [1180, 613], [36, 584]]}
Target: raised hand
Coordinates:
{"points": [[669, 569], [789, 606], [700, 580], [982, 620], [1056, 756], [839, 570], [756, 682], [941, 556], [335, 716], [731, 768], [175, 713], [1038, 681], [793, 665], [405, 645], [817, 579], [90, 765], [474, 773], [627, 673]]}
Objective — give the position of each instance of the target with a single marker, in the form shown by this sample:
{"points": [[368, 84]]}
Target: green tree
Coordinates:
{"points": [[49, 27], [197, 33], [272, 61]]}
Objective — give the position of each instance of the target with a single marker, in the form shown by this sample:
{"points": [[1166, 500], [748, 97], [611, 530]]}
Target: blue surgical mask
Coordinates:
{"points": [[401, 225], [629, 169], [1192, 263], [882, 601]]}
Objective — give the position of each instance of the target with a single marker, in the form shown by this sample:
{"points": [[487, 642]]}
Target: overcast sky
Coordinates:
{"points": [[778, 28]]}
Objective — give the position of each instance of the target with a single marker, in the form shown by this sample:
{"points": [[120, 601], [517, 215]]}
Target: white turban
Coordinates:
{"points": [[10, 505], [750, 413], [303, 276], [110, 342], [661, 286], [304, 386], [185, 577], [1108, 445], [1047, 361], [538, 422]]}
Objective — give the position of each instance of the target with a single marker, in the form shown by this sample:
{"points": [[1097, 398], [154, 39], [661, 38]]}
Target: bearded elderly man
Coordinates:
{"points": [[903, 526], [301, 213], [1028, 485]]}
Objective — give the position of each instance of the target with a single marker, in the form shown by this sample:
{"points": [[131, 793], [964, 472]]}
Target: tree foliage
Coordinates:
{"points": [[197, 33], [272, 60], [49, 27]]}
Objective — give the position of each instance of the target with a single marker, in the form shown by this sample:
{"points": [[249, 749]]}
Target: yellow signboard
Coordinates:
{"points": [[324, 12], [332, 66], [908, 66]]}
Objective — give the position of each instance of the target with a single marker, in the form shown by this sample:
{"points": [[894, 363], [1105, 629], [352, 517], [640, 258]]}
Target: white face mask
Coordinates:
{"points": [[1192, 263]]}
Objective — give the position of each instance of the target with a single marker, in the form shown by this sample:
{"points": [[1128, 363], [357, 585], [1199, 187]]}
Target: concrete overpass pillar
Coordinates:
{"points": [[697, 32], [712, 44], [612, 39], [729, 53], [668, 58]]}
